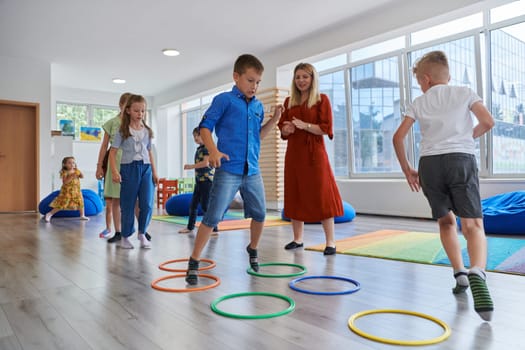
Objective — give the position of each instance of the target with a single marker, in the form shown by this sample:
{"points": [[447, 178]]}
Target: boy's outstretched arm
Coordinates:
{"points": [[270, 124], [202, 164], [486, 122], [215, 155], [399, 146]]}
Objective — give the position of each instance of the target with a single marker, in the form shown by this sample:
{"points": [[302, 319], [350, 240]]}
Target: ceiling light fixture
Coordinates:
{"points": [[170, 52], [119, 81]]}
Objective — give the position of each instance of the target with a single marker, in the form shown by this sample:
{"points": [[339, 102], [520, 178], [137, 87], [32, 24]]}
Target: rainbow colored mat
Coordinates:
{"points": [[231, 221], [504, 254]]}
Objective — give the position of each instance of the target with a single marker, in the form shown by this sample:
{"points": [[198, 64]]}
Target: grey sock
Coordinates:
{"points": [[462, 283]]}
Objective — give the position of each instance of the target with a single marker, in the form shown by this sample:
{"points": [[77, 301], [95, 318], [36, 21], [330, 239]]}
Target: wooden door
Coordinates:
{"points": [[19, 169]]}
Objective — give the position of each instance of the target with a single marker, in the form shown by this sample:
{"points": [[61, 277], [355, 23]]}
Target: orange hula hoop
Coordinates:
{"points": [[156, 286]]}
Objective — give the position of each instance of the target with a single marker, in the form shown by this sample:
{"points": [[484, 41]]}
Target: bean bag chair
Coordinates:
{"points": [[92, 205], [179, 205], [348, 215], [504, 213]]}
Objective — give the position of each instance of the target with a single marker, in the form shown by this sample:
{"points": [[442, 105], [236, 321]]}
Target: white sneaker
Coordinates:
{"points": [[84, 218], [125, 243], [144, 243], [47, 217]]}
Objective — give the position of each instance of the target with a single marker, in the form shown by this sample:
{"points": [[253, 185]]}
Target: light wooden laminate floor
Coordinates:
{"points": [[63, 287]]}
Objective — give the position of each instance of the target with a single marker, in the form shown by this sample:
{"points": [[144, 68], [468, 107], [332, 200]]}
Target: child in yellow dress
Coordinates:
{"points": [[70, 196]]}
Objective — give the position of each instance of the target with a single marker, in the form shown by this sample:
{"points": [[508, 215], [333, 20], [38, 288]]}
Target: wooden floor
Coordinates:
{"points": [[63, 287]]}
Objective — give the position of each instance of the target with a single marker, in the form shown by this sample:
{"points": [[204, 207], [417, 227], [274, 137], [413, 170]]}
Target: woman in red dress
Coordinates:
{"points": [[310, 191]]}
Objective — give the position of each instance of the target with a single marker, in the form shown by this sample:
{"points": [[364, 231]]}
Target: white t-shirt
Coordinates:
{"points": [[138, 136], [445, 119]]}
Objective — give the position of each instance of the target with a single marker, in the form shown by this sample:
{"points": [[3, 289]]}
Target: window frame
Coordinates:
{"points": [[482, 64]]}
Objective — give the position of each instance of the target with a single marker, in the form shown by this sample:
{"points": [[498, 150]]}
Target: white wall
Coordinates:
{"points": [[168, 144], [28, 80], [393, 196]]}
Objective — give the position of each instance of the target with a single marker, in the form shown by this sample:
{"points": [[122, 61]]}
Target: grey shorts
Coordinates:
{"points": [[450, 182]]}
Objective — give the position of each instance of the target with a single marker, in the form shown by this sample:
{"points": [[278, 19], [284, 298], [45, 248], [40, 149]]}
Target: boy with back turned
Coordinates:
{"points": [[448, 173]]}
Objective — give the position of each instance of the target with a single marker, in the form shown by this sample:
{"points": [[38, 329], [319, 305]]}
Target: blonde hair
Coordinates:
{"points": [[435, 64], [314, 96], [126, 117], [123, 99]]}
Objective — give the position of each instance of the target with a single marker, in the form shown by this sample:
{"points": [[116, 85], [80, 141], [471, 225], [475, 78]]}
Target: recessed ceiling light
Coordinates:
{"points": [[119, 81], [170, 52]]}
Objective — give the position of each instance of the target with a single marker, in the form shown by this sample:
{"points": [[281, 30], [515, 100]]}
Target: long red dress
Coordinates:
{"points": [[310, 190]]}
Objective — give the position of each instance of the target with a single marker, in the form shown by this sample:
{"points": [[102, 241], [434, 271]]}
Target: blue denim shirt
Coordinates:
{"points": [[237, 124], [128, 148]]}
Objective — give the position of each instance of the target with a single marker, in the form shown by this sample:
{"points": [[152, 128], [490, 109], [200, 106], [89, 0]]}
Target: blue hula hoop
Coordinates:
{"points": [[349, 291]]}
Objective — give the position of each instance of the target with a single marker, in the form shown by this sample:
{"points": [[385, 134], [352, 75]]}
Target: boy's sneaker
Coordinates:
{"points": [[105, 233], [254, 262], [116, 237], [192, 275]]}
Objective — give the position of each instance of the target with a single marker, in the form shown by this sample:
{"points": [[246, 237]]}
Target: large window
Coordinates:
{"points": [[486, 52], [193, 118], [101, 114], [76, 113], [84, 115], [191, 112], [375, 100], [507, 76], [461, 56], [333, 85], [370, 86]]}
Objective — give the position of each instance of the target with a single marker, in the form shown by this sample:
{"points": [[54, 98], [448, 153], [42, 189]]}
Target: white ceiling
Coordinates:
{"points": [[91, 42]]}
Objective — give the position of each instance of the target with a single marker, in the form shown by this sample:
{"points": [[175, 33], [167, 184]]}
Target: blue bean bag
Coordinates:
{"points": [[92, 205], [179, 205], [504, 213], [348, 215]]}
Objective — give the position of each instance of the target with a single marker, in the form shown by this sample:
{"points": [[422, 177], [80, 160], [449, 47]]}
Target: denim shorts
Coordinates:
{"points": [[225, 186], [450, 182]]}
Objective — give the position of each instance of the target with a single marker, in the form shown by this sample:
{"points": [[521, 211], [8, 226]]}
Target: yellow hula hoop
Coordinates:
{"points": [[431, 341]]}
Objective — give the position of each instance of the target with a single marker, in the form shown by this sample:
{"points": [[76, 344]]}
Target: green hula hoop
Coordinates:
{"points": [[259, 274], [290, 308]]}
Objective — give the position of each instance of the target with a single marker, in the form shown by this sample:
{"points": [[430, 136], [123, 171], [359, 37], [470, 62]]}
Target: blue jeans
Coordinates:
{"points": [[201, 195], [137, 182], [225, 186]]}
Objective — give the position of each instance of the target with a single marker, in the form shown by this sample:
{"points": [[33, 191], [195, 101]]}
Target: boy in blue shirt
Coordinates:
{"points": [[236, 117]]}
